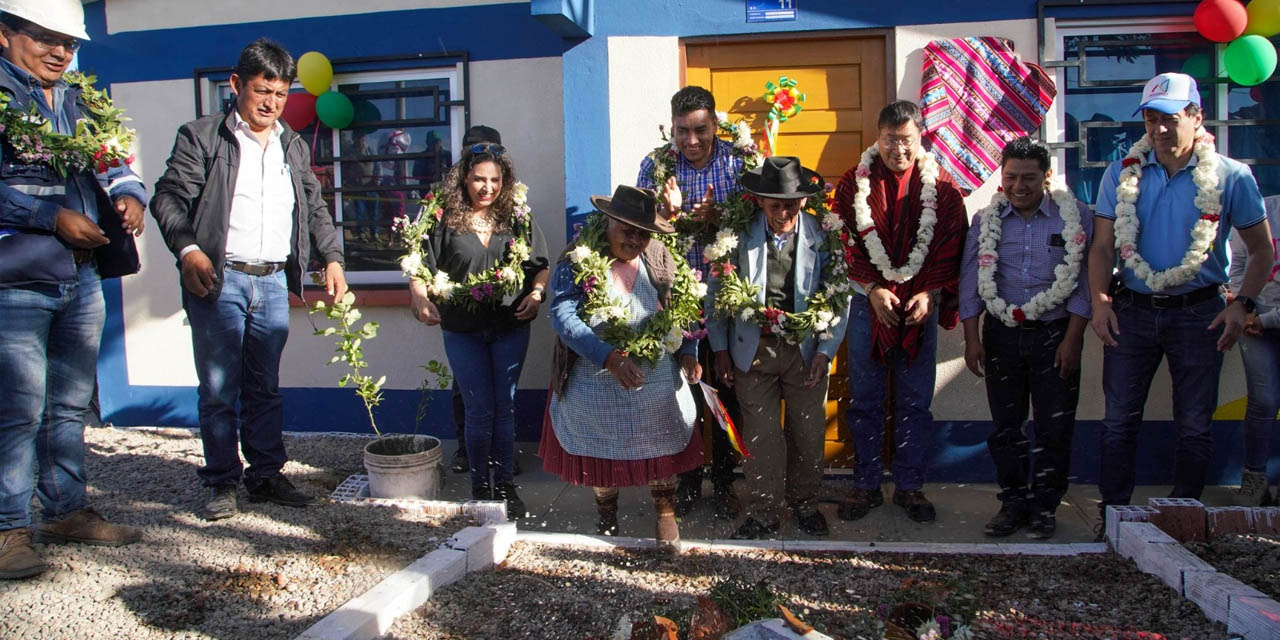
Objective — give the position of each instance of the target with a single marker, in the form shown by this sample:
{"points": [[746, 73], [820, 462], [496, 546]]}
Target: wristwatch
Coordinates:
{"points": [[1250, 305]]}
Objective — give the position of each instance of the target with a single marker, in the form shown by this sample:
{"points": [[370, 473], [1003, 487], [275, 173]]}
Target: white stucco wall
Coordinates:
{"points": [[144, 15], [643, 73], [157, 340]]}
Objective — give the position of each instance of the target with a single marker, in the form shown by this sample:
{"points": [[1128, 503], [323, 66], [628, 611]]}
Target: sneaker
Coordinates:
{"points": [[221, 504], [752, 529], [18, 559], [277, 489], [812, 523], [917, 506], [507, 491], [1013, 515], [859, 502], [1253, 490], [1043, 525], [727, 505], [87, 527], [687, 494], [460, 463]]}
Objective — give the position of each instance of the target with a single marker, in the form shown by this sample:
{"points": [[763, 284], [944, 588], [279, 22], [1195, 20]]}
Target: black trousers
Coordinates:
{"points": [[1021, 377], [723, 458]]}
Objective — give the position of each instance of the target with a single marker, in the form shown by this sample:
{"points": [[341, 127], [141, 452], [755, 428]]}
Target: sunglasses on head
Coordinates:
{"points": [[487, 147]]}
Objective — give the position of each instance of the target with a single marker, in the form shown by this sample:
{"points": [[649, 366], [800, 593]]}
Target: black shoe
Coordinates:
{"points": [[858, 502], [1100, 532], [221, 504], [507, 491], [481, 491], [917, 506], [460, 463], [1012, 516], [279, 490], [752, 529], [687, 494], [727, 505], [515, 466], [1043, 525], [812, 523]]}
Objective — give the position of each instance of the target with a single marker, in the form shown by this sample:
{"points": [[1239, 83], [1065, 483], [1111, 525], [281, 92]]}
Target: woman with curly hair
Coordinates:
{"points": [[485, 336]]}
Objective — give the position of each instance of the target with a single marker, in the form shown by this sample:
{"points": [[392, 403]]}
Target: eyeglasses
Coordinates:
{"points": [[489, 148], [903, 143], [49, 41]]}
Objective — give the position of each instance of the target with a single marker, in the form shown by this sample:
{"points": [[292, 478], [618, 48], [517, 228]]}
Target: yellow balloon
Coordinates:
{"points": [[314, 72], [1264, 18]]}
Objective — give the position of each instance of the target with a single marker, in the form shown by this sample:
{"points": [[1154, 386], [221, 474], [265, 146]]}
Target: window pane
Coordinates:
{"points": [[1260, 142], [1101, 107]]}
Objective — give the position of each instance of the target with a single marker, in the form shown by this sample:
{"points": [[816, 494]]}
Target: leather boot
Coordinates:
{"points": [[86, 526], [607, 509], [18, 559], [667, 531]]}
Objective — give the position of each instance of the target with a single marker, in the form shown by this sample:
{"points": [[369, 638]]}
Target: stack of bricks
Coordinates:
{"points": [[1222, 521], [1118, 513], [1266, 521], [1182, 518]]}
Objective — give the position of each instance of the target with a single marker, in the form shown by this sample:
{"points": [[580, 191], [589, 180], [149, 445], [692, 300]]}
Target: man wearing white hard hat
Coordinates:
{"points": [[1165, 211], [68, 214]]}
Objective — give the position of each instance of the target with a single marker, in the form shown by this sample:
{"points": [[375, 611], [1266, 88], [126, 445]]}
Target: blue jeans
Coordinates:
{"points": [[237, 341], [868, 382], [1147, 335], [1261, 356], [487, 366], [49, 336]]}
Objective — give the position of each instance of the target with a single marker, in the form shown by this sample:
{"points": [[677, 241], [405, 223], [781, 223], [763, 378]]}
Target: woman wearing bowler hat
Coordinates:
{"points": [[616, 417]]}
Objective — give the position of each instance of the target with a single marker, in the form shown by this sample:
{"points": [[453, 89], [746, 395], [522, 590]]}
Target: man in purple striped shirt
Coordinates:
{"points": [[705, 174], [1036, 358]]}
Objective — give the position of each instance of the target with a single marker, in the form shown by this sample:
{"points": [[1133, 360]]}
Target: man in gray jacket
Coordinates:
{"points": [[241, 210]]}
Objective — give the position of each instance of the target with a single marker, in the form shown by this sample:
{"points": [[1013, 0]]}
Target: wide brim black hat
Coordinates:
{"points": [[634, 206], [783, 178]]}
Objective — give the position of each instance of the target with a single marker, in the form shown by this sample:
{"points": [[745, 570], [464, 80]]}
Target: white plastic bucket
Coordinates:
{"points": [[404, 466]]}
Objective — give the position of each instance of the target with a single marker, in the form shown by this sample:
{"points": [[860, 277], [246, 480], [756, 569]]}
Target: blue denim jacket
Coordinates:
{"points": [[31, 194]]}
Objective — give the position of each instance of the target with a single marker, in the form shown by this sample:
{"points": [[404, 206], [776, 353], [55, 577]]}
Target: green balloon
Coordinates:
{"points": [[335, 110], [1250, 60], [1197, 66]]}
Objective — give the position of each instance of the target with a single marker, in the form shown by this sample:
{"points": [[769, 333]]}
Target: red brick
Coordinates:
{"points": [[1227, 520], [1266, 521], [1182, 518]]}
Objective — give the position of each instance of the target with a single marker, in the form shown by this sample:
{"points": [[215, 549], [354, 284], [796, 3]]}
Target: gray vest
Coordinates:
{"points": [[780, 281]]}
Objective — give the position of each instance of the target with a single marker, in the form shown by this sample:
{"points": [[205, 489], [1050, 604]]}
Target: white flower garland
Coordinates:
{"points": [[928, 166], [1208, 201], [1065, 274]]}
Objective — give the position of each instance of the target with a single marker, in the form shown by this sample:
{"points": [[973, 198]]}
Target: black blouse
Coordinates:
{"points": [[459, 254]]}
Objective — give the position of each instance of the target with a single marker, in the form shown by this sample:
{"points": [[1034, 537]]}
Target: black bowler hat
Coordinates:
{"points": [[783, 178], [636, 207]]}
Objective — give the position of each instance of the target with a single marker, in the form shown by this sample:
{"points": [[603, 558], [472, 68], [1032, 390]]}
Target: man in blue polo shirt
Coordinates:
{"points": [[1167, 209]]}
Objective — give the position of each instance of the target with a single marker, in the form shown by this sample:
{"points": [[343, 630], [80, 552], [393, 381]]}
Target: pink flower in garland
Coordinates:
{"points": [[1080, 238], [1129, 162], [1211, 217], [1126, 251], [986, 259], [589, 283], [481, 292], [862, 171], [720, 269]]}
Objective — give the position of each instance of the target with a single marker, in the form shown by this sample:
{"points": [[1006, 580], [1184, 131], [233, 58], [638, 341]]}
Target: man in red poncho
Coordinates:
{"points": [[906, 222]]}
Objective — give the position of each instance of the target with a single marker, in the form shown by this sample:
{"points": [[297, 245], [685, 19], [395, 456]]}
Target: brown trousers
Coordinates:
{"points": [[786, 467]]}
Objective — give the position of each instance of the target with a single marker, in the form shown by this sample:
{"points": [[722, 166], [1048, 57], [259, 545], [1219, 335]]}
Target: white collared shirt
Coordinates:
{"points": [[261, 220]]}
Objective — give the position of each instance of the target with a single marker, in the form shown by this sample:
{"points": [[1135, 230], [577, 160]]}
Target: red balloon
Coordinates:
{"points": [[1221, 20], [300, 110], [1255, 94]]}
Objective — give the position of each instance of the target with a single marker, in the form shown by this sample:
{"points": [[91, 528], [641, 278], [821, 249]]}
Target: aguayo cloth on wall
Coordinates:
{"points": [[976, 96]]}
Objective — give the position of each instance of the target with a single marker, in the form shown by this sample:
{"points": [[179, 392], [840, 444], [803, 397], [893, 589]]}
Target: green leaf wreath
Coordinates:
{"points": [[100, 141]]}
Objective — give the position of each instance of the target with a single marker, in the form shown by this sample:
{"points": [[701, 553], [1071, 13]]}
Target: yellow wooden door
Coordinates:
{"points": [[844, 80]]}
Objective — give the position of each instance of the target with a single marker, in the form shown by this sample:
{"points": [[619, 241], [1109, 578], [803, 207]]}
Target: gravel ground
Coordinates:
{"points": [[1251, 559], [549, 592], [269, 572]]}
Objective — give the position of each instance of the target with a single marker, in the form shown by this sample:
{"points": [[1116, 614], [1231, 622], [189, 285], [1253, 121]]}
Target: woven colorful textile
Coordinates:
{"points": [[976, 96]]}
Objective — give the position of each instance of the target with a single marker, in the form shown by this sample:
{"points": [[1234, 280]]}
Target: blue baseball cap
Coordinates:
{"points": [[1169, 93]]}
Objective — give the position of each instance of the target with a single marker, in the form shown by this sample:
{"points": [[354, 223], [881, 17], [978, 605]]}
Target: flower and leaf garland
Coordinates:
{"points": [[100, 141], [488, 287], [1065, 274], [664, 166], [1208, 200], [928, 166], [738, 299], [664, 331]]}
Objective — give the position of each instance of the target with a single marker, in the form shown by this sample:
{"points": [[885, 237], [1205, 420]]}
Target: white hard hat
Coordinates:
{"points": [[62, 16]]}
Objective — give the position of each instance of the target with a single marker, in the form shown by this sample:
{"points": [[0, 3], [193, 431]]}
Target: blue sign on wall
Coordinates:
{"points": [[770, 10]]}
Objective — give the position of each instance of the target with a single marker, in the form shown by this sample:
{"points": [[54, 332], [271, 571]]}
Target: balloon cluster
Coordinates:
{"points": [[1250, 58], [334, 109]]}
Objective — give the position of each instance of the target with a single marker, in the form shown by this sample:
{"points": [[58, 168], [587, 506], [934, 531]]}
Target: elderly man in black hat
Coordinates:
{"points": [[765, 270]]}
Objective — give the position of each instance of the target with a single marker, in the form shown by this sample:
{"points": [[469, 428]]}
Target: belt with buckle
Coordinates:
{"points": [[256, 268], [82, 256], [1177, 301]]}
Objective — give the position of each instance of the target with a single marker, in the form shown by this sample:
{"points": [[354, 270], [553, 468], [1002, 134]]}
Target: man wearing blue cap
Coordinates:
{"points": [[1167, 209]]}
